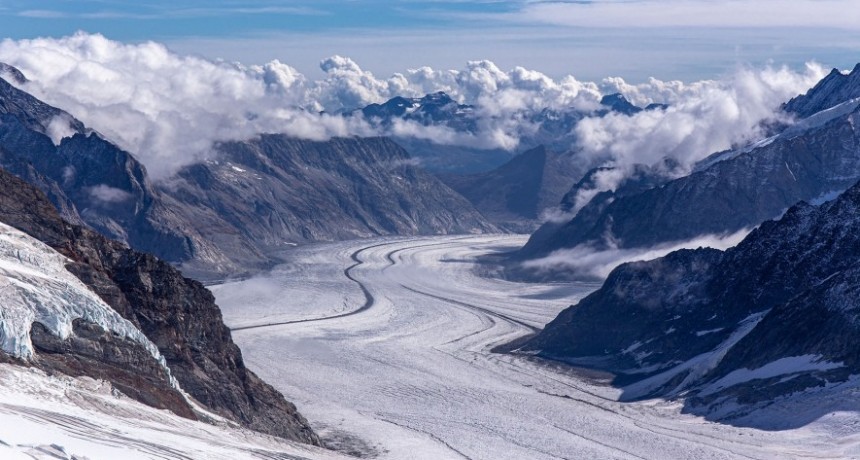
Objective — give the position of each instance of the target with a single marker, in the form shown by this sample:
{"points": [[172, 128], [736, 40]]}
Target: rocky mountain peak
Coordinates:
{"points": [[832, 90], [618, 103]]}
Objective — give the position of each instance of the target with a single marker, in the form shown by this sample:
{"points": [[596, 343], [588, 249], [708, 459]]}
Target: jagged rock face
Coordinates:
{"points": [[515, 195], [809, 162], [264, 194], [834, 89], [618, 103], [783, 303], [437, 108], [177, 314], [89, 179], [93, 352]]}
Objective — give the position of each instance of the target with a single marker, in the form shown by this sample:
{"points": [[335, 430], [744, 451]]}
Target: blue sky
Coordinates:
{"points": [[635, 39]]}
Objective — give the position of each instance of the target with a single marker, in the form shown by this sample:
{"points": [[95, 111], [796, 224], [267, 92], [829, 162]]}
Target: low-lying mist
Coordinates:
{"points": [[586, 262]]}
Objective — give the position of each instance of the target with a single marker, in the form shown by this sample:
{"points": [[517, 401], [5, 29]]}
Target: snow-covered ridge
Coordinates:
{"points": [[802, 126], [35, 286]]}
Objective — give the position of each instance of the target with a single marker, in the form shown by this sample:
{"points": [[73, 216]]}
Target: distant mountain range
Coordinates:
{"points": [[550, 128]]}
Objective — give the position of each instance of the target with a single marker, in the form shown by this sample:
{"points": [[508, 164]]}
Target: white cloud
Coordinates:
{"points": [[169, 109], [108, 195], [60, 127], [42, 14], [703, 117], [588, 262], [166, 109]]}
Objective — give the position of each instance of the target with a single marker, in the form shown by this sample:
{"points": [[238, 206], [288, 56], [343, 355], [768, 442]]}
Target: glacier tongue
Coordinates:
{"points": [[36, 287]]}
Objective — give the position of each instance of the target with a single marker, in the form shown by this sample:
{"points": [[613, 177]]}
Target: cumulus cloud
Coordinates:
{"points": [[167, 109], [702, 118], [588, 262], [170, 109]]}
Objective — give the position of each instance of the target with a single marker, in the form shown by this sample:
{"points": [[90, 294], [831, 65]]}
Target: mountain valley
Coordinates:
{"points": [[477, 263]]}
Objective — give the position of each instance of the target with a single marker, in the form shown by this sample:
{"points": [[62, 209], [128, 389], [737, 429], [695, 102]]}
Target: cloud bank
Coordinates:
{"points": [[170, 109], [702, 118]]}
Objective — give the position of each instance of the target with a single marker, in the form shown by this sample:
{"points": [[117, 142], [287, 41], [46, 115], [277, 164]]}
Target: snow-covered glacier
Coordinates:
{"points": [[391, 341]]}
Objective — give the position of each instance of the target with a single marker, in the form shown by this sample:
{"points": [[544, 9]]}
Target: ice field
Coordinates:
{"points": [[385, 345]]}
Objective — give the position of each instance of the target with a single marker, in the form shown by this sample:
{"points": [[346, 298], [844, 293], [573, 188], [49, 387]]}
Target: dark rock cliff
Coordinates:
{"points": [[774, 315], [177, 314]]}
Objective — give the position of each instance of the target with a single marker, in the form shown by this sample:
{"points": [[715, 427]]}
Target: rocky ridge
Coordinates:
{"points": [[264, 195]]}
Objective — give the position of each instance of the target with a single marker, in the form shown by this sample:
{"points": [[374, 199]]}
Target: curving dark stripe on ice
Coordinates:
{"points": [[473, 307], [390, 255], [368, 297]]}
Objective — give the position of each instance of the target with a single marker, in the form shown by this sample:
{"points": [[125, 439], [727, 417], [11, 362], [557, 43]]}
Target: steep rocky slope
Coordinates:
{"points": [[176, 314], [265, 194], [775, 315], [833, 90]]}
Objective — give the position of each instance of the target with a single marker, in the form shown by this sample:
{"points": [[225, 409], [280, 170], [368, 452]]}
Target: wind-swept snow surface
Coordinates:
{"points": [[64, 418], [390, 341]]}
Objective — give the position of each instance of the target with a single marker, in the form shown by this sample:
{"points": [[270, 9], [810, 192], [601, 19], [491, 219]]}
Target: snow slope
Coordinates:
{"points": [[413, 376], [64, 418]]}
